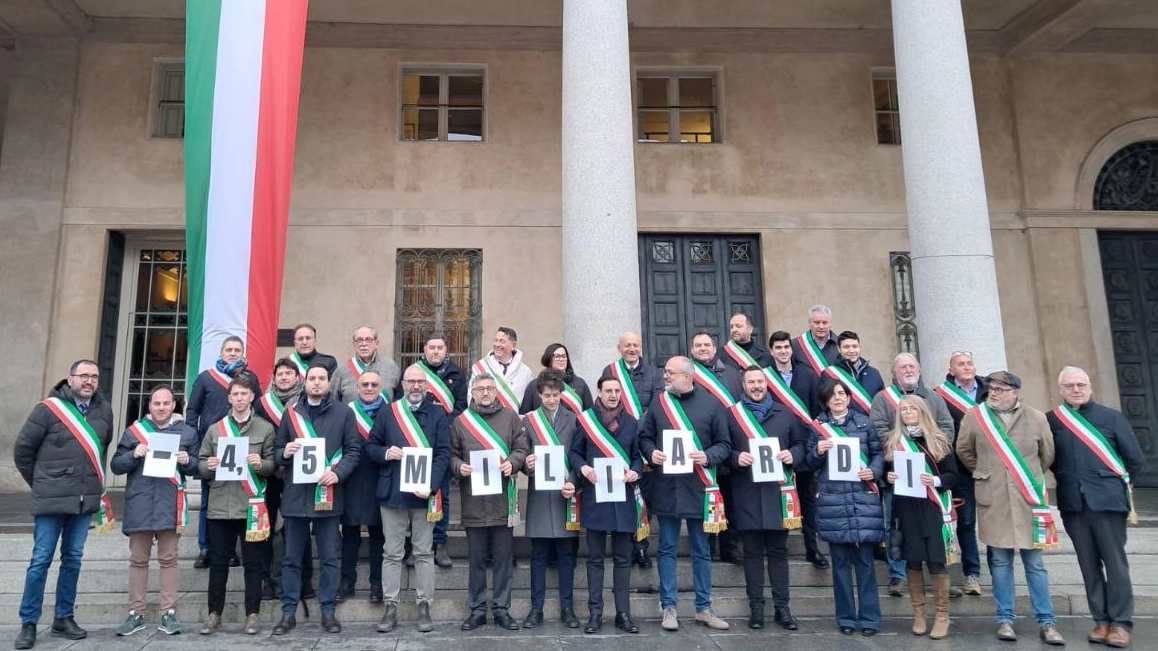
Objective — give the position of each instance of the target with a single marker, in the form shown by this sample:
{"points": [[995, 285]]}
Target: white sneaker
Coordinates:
{"points": [[709, 619], [972, 585], [670, 621]]}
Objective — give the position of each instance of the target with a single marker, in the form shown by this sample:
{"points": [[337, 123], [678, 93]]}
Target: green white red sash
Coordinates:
{"points": [[142, 430], [362, 419], [812, 352], [437, 387], [545, 435], [505, 392], [257, 525], [858, 393], [1032, 488], [304, 429], [300, 363], [631, 402], [572, 399], [274, 408], [357, 368], [832, 431], [955, 396], [789, 498], [610, 448], [490, 440], [715, 520], [893, 394], [84, 434], [417, 439], [220, 377], [786, 395], [742, 357], [943, 500], [707, 379], [1097, 443]]}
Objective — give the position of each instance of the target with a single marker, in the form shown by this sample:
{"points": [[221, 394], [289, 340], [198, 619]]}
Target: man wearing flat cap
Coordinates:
{"points": [[1008, 445]]}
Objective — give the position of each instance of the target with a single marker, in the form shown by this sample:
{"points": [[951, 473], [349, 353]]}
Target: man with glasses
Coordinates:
{"points": [[962, 391], [366, 358], [361, 508], [1007, 446], [1097, 453], [60, 453]]}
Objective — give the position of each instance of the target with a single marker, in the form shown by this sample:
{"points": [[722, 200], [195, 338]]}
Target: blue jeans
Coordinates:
{"points": [[897, 569], [967, 529], [566, 549], [1036, 579], [71, 531], [669, 534], [203, 519], [326, 537], [441, 525], [846, 558]]}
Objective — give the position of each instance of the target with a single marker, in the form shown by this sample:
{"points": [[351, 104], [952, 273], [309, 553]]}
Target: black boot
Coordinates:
{"points": [[756, 616], [27, 637], [784, 618], [623, 622]]}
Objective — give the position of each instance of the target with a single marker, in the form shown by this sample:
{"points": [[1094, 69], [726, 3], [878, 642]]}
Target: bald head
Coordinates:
{"points": [[630, 347], [677, 375]]}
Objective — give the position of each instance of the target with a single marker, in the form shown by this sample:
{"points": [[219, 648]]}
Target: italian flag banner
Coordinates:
{"points": [[243, 67]]}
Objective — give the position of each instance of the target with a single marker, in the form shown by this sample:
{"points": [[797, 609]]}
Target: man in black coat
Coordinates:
{"points": [[306, 352], [741, 330], [704, 353], [819, 333], [54, 453], [361, 503], [1093, 495], [681, 497], [310, 506]]}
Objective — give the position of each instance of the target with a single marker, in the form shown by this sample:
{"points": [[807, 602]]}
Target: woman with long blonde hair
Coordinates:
{"points": [[925, 534]]}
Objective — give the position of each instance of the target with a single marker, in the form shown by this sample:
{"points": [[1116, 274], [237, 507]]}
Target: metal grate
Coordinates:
{"points": [[438, 290]]}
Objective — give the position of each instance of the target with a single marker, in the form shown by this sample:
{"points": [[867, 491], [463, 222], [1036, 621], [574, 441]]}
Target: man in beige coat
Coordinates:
{"points": [[1005, 521]]}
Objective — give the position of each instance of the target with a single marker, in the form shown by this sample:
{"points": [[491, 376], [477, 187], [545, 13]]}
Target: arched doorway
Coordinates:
{"points": [[1129, 181]]}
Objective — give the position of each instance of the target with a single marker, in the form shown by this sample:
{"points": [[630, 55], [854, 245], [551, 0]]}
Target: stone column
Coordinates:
{"points": [[33, 174], [600, 241], [955, 282]]}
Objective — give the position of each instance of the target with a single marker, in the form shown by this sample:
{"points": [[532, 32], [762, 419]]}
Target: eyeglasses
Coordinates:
{"points": [[1000, 390], [559, 356], [484, 390], [967, 353], [86, 377], [667, 372], [1070, 386], [418, 381], [364, 340], [369, 385]]}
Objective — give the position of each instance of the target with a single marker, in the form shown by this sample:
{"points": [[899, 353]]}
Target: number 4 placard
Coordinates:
{"points": [[310, 461], [231, 453]]}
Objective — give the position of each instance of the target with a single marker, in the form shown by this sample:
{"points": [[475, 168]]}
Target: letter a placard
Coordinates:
{"points": [[677, 445], [844, 459], [415, 470]]}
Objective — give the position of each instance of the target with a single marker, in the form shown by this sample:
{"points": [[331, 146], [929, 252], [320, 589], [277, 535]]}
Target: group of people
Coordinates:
{"points": [[984, 456]]}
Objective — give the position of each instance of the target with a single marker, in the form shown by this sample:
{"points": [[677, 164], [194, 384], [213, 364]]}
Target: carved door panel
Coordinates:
{"points": [[696, 282], [1130, 270]]}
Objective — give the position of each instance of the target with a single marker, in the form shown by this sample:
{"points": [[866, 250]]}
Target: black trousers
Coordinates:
{"points": [[770, 546], [621, 551], [255, 556], [806, 489], [728, 540], [351, 542], [1100, 542], [497, 545]]}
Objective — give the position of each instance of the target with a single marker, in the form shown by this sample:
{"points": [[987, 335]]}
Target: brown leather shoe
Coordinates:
{"points": [[1099, 634], [1119, 637]]}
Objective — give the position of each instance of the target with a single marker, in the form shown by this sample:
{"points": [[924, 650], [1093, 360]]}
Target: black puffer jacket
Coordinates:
{"points": [[151, 502], [55, 464]]}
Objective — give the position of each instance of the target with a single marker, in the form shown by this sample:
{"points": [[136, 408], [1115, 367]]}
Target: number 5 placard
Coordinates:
{"points": [[310, 461]]}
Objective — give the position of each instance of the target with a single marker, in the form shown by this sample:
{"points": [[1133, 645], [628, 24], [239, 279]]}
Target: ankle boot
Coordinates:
{"points": [[916, 580], [941, 603]]}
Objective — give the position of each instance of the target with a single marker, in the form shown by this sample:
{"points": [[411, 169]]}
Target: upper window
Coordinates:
{"points": [[888, 112], [168, 115], [677, 107], [438, 290], [443, 105]]}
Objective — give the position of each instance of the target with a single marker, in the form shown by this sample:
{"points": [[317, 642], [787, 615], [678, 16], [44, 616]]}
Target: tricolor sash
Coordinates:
{"points": [[219, 377], [358, 368], [893, 394], [707, 379], [1045, 534], [631, 402], [611, 449], [490, 440], [786, 395], [257, 525], [789, 498], [273, 406], [832, 431], [715, 520], [362, 419], [862, 397], [742, 357], [505, 392], [84, 434], [1097, 443], [141, 431], [812, 352], [417, 439], [545, 435], [304, 429], [955, 396], [571, 398], [943, 500], [437, 387], [300, 363]]}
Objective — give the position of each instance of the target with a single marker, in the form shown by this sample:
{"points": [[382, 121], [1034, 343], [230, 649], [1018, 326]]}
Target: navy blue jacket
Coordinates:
{"points": [[334, 422], [1084, 482], [360, 500], [386, 433], [829, 349], [647, 380], [208, 401], [756, 506], [868, 377], [805, 385], [607, 516], [455, 380], [151, 502], [848, 512]]}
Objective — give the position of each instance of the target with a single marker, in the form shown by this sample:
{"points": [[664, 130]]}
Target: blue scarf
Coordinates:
{"points": [[232, 368], [759, 409], [373, 407]]}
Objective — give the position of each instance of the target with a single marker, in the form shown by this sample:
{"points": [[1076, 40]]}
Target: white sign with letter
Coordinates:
{"points": [[416, 464], [844, 459], [161, 459], [231, 453], [765, 466], [485, 476], [609, 485], [550, 468], [677, 445], [909, 466], [310, 461]]}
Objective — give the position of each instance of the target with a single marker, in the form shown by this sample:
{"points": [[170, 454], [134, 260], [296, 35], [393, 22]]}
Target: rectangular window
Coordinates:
{"points": [[443, 105], [438, 290], [888, 113], [677, 107], [168, 115]]}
